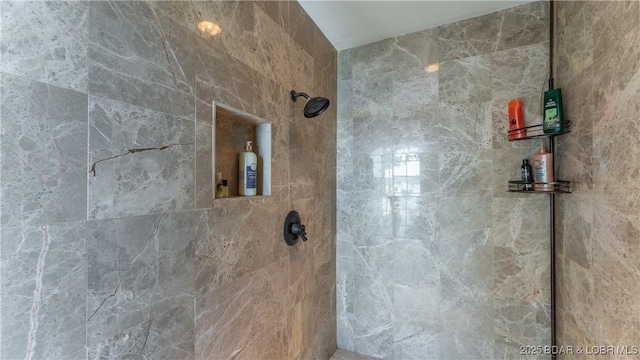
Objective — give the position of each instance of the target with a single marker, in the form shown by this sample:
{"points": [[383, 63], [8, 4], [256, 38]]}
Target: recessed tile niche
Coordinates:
{"points": [[232, 129]]}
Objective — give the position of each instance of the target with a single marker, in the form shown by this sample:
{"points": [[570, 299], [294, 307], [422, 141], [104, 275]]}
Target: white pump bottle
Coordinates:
{"points": [[248, 174]]}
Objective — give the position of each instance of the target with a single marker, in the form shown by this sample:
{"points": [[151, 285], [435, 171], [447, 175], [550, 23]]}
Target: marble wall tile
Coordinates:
{"points": [[417, 132], [223, 255], [222, 79], [372, 59], [415, 175], [467, 38], [170, 335], [415, 217], [465, 174], [520, 322], [272, 45], [373, 317], [416, 50], [465, 127], [139, 268], [521, 223], [463, 336], [465, 80], [278, 11], [442, 197], [43, 297], [138, 153], [54, 51], [523, 25], [236, 18], [274, 107], [520, 71], [414, 90], [236, 318], [373, 127], [521, 274], [371, 96], [44, 150], [131, 58]]}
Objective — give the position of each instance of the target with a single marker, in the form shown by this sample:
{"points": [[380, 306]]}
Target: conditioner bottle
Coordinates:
{"points": [[543, 170], [248, 174]]}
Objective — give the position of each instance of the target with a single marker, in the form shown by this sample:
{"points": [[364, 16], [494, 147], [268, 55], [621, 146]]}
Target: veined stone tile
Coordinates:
{"points": [[235, 18], [371, 96], [169, 335], [523, 25], [416, 131], [467, 38], [464, 214], [373, 317], [465, 173], [43, 299], [465, 127], [416, 217], [272, 49], [136, 153], [506, 167], [373, 135], [520, 71], [223, 79], [414, 90], [46, 42], [278, 11], [139, 267], [465, 80], [44, 152], [464, 336], [371, 59], [232, 319], [132, 58], [521, 274], [467, 261], [521, 322], [416, 50], [521, 223]]}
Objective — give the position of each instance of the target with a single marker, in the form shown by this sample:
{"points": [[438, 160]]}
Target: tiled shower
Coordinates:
{"points": [[416, 250], [435, 258]]}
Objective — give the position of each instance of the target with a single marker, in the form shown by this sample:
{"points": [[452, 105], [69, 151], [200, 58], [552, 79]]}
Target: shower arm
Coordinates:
{"points": [[295, 95]]}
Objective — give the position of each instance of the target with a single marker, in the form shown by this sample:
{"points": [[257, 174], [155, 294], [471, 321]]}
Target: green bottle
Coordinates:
{"points": [[553, 116]]}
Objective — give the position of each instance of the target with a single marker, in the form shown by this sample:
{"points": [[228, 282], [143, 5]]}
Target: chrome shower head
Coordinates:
{"points": [[315, 106]]}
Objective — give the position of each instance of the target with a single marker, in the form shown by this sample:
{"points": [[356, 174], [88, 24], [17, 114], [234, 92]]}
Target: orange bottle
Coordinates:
{"points": [[516, 120]]}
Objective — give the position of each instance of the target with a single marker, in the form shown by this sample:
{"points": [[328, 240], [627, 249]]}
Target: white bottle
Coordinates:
{"points": [[543, 170], [248, 174]]}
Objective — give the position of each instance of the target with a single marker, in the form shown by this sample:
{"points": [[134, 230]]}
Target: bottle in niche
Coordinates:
{"points": [[219, 187], [248, 172], [225, 189], [527, 177], [543, 170]]}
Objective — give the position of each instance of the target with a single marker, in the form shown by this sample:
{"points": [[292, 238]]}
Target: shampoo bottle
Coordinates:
{"points": [[553, 115], [219, 187], [248, 174], [543, 170], [516, 120]]}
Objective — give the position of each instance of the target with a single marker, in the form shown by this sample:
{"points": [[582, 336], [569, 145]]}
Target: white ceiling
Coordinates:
{"points": [[349, 24]]}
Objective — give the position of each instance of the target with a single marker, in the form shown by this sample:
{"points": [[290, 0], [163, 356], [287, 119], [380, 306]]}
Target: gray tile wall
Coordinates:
{"points": [[436, 260], [110, 251], [598, 57]]}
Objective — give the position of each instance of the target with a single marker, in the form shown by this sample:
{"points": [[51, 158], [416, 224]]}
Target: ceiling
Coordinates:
{"points": [[349, 24]]}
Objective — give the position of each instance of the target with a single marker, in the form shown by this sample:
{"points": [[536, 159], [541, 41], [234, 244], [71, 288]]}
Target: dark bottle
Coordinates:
{"points": [[527, 177]]}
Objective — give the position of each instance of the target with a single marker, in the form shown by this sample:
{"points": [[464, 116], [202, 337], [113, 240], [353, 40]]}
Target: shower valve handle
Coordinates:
{"points": [[299, 229]]}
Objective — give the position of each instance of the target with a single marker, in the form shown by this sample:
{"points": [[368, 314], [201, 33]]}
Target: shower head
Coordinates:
{"points": [[315, 106]]}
